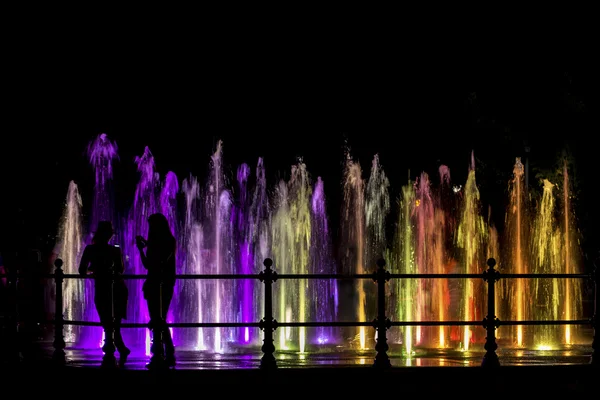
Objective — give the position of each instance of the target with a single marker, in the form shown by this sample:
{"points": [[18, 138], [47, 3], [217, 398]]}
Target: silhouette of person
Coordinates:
{"points": [[159, 260], [102, 260]]}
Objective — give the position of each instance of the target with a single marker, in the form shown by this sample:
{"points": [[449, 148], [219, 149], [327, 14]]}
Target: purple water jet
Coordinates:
{"points": [[101, 152], [324, 299], [241, 216], [145, 203]]}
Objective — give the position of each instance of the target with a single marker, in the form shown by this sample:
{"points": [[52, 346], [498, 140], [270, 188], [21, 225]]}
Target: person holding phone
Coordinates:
{"points": [[158, 257]]}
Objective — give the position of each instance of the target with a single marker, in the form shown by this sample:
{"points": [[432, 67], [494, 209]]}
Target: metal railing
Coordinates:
{"points": [[381, 323]]}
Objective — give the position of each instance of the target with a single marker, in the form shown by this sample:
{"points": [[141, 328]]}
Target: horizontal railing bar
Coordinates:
{"points": [[227, 276], [218, 324], [200, 276], [328, 276], [436, 276], [324, 276], [534, 276], [480, 323], [223, 276], [322, 324], [187, 276], [437, 323], [479, 276], [172, 324], [558, 322]]}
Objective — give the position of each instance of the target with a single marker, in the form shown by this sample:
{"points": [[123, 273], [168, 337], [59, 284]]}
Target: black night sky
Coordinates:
{"points": [[294, 102]]}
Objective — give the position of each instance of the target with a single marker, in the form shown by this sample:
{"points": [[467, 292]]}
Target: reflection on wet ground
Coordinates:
{"points": [[325, 356], [250, 358], [426, 371]]}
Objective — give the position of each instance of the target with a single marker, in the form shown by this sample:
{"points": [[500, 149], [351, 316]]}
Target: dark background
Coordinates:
{"points": [[281, 99]]}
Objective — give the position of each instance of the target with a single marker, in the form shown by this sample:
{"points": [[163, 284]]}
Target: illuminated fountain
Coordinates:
{"points": [[516, 254], [251, 225], [572, 307], [471, 240], [74, 235], [300, 194], [377, 208], [403, 308], [146, 202], [70, 247], [353, 256], [421, 244], [221, 235], [301, 244], [493, 251], [101, 152], [192, 292], [282, 245], [259, 235], [539, 239], [423, 212], [440, 231], [245, 250], [442, 259], [291, 245], [230, 227], [547, 258], [364, 212], [168, 201], [323, 299], [219, 239]]}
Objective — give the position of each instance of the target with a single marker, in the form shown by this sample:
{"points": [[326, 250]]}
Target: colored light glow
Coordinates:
{"points": [[225, 230]]}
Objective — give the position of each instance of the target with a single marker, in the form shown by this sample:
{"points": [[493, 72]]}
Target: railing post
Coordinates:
{"points": [[109, 360], [268, 324], [595, 358], [382, 323], [59, 341], [490, 322]]}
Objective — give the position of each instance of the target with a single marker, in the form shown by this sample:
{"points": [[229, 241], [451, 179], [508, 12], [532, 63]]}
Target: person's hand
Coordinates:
{"points": [[140, 242]]}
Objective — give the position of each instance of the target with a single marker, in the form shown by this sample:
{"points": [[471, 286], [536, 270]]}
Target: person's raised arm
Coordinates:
{"points": [[141, 243], [143, 257]]}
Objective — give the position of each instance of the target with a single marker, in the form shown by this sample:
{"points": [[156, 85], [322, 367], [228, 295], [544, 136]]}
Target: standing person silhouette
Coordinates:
{"points": [[159, 260], [103, 260]]}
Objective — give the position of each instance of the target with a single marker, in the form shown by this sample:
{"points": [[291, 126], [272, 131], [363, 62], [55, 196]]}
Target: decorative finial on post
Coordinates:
{"points": [[268, 263], [490, 322], [268, 324]]}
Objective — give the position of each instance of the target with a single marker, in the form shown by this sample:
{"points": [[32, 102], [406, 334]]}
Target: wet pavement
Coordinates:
{"points": [[542, 370], [250, 359], [566, 370]]}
